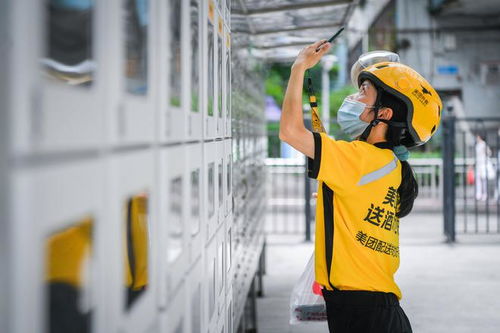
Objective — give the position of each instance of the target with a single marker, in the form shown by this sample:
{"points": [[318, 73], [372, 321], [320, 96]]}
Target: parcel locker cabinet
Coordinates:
{"points": [[55, 244], [174, 180], [132, 60], [131, 286]]}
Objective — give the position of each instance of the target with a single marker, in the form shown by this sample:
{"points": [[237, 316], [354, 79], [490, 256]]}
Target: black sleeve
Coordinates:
{"points": [[313, 164]]}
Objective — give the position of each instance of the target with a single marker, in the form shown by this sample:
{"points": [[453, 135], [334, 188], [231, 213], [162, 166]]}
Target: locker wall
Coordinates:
{"points": [[135, 121], [4, 172]]}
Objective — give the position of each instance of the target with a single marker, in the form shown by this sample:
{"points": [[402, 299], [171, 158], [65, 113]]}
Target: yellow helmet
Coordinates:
{"points": [[422, 101]]}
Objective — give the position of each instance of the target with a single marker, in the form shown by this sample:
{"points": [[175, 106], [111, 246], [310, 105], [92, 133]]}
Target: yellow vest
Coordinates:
{"points": [[357, 231]]}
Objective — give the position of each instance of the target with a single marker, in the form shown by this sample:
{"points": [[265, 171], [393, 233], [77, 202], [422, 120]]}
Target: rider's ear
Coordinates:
{"points": [[385, 113]]}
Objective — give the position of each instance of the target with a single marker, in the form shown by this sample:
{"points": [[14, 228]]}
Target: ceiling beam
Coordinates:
{"points": [[348, 13], [277, 45], [272, 31], [245, 11]]}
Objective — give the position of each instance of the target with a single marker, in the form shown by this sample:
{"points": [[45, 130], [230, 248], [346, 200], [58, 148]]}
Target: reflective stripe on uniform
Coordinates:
{"points": [[377, 174]]}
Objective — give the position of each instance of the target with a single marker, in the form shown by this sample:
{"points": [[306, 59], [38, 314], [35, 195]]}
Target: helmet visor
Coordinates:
{"points": [[370, 58]]}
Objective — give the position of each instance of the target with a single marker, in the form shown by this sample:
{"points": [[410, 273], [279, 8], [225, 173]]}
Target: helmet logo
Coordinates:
{"points": [[425, 91], [420, 96]]}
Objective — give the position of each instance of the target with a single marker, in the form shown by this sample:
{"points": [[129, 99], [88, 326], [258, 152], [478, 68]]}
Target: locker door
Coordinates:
{"points": [[219, 78], [221, 182], [210, 62], [195, 297], [175, 319], [194, 104], [132, 72], [210, 188], [194, 197], [228, 168], [57, 87], [131, 285], [57, 227], [174, 70], [210, 285], [221, 271], [172, 220], [227, 83]]}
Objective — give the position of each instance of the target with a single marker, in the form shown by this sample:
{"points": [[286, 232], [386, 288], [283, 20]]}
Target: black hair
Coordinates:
{"points": [[408, 189]]}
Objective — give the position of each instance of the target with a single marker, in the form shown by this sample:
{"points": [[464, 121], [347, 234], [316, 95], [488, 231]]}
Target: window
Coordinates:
{"points": [[220, 256], [229, 175], [175, 219], [230, 317], [195, 56], [69, 56], [136, 46], [195, 201], [211, 190], [228, 83], [211, 289], [221, 188], [175, 52], [219, 72], [196, 310], [229, 244], [210, 71]]}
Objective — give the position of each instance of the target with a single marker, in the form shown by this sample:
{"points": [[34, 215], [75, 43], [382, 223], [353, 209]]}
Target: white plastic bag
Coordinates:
{"points": [[306, 302]]}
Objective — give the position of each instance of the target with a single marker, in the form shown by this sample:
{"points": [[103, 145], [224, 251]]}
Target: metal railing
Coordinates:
{"points": [[286, 193], [287, 183], [471, 197]]}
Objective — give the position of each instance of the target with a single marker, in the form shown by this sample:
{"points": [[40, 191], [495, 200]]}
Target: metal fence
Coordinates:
{"points": [[471, 148], [287, 186], [286, 192], [464, 184]]}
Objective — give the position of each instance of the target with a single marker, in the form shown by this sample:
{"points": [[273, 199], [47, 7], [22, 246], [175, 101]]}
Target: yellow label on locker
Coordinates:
{"points": [[211, 10], [220, 25], [228, 40], [68, 251]]}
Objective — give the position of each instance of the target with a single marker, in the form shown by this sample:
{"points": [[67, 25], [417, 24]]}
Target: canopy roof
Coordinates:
{"points": [[278, 29]]}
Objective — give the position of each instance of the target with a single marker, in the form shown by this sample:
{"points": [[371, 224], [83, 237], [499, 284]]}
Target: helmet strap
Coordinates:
{"points": [[378, 120]]}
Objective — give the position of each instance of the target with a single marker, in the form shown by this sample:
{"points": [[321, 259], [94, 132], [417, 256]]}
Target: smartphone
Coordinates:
{"points": [[333, 37]]}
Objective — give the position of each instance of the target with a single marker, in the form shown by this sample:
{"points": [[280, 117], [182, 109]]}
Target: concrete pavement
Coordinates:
{"points": [[446, 288]]}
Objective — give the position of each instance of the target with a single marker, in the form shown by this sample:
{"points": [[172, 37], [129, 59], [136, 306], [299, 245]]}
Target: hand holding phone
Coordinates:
{"points": [[332, 38]]}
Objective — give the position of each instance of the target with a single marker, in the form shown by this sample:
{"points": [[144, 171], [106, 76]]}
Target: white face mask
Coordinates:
{"points": [[348, 117]]}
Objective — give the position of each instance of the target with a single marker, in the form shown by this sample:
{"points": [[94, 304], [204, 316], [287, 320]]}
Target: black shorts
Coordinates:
{"points": [[350, 311]]}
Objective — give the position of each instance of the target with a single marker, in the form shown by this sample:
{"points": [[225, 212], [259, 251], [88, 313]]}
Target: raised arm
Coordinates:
{"points": [[292, 129]]}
